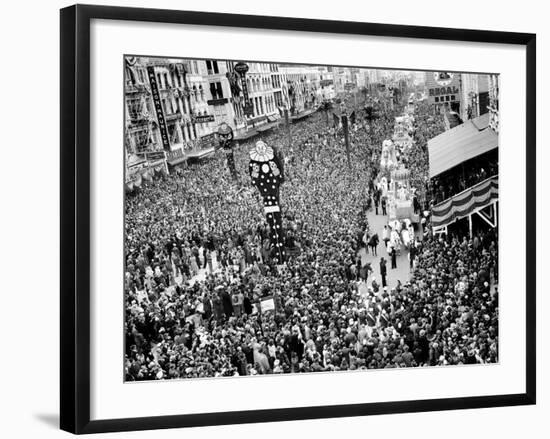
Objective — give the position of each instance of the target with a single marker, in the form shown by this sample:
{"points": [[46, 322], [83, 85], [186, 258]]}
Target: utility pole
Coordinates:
{"points": [[345, 127], [287, 126]]}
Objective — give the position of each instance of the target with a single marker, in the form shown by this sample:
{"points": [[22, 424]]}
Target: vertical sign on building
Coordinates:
{"points": [[241, 68], [158, 108]]}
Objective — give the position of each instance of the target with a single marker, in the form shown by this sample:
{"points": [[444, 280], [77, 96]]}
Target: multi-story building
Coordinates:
{"points": [[176, 105], [306, 86], [444, 91], [474, 95], [493, 81], [142, 133], [263, 86], [183, 97]]}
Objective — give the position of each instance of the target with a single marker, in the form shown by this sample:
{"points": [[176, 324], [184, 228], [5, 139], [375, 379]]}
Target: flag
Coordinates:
{"points": [[352, 117], [335, 119]]}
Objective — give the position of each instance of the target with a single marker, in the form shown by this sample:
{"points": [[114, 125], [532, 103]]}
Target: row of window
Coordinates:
{"points": [[264, 104], [447, 98]]}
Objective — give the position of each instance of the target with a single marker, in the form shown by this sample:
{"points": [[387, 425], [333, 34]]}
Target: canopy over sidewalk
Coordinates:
{"points": [[460, 144]]}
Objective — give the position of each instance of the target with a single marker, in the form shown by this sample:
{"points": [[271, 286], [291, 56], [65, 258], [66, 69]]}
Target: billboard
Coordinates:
{"points": [[443, 87]]}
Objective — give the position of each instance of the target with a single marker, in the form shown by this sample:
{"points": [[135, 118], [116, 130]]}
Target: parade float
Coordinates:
{"points": [[388, 158], [403, 131], [400, 197]]}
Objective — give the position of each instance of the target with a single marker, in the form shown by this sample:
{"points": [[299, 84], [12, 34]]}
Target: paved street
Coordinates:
{"points": [[402, 271]]}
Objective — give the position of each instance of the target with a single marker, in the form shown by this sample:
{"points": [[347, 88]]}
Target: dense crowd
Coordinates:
{"points": [[198, 264], [464, 176]]}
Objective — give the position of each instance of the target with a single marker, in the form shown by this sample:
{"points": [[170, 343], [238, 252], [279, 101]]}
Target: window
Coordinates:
{"points": [[135, 107], [216, 90], [166, 80], [436, 99], [212, 67]]}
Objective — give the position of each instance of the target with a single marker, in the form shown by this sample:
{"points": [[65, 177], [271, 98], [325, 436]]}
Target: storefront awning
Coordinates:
{"points": [[302, 115], [246, 135], [177, 161], [460, 144], [267, 126], [199, 153]]}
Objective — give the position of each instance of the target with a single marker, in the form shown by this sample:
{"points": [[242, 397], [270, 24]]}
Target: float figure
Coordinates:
{"points": [[266, 172]]}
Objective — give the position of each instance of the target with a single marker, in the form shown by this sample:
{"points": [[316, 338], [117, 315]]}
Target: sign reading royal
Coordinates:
{"points": [[443, 87], [158, 108]]}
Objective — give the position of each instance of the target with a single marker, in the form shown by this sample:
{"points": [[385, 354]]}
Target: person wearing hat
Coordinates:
{"points": [[383, 271], [393, 257]]}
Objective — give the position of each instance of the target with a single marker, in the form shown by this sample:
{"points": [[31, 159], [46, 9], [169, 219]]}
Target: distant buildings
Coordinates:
{"points": [[305, 87]]}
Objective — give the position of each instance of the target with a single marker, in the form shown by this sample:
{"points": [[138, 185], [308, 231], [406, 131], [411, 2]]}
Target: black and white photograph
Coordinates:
{"points": [[293, 218]]}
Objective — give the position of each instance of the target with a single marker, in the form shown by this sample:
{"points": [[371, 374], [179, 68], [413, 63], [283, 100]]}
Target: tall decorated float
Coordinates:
{"points": [[403, 131], [400, 197]]}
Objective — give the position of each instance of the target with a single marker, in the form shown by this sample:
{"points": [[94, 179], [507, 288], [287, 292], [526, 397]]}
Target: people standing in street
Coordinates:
{"points": [[393, 257], [412, 255], [383, 202], [383, 271]]}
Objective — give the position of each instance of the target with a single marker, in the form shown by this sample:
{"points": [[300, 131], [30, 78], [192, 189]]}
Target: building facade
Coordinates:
{"points": [[493, 81], [305, 87], [474, 95], [444, 91], [175, 105]]}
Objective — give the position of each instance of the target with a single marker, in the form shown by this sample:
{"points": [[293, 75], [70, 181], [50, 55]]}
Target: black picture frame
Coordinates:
{"points": [[75, 217]]}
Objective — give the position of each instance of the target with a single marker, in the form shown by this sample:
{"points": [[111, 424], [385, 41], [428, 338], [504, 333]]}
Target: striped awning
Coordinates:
{"points": [[459, 144], [463, 204]]}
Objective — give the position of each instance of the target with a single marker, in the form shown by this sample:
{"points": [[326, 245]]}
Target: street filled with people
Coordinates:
{"points": [[200, 266]]}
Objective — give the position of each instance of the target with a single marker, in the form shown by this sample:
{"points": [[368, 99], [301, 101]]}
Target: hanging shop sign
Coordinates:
{"points": [[221, 101], [154, 155], [158, 108], [208, 141], [206, 118], [175, 154]]}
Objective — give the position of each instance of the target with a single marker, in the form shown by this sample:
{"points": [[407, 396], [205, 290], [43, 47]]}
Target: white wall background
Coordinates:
{"points": [[29, 200]]}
